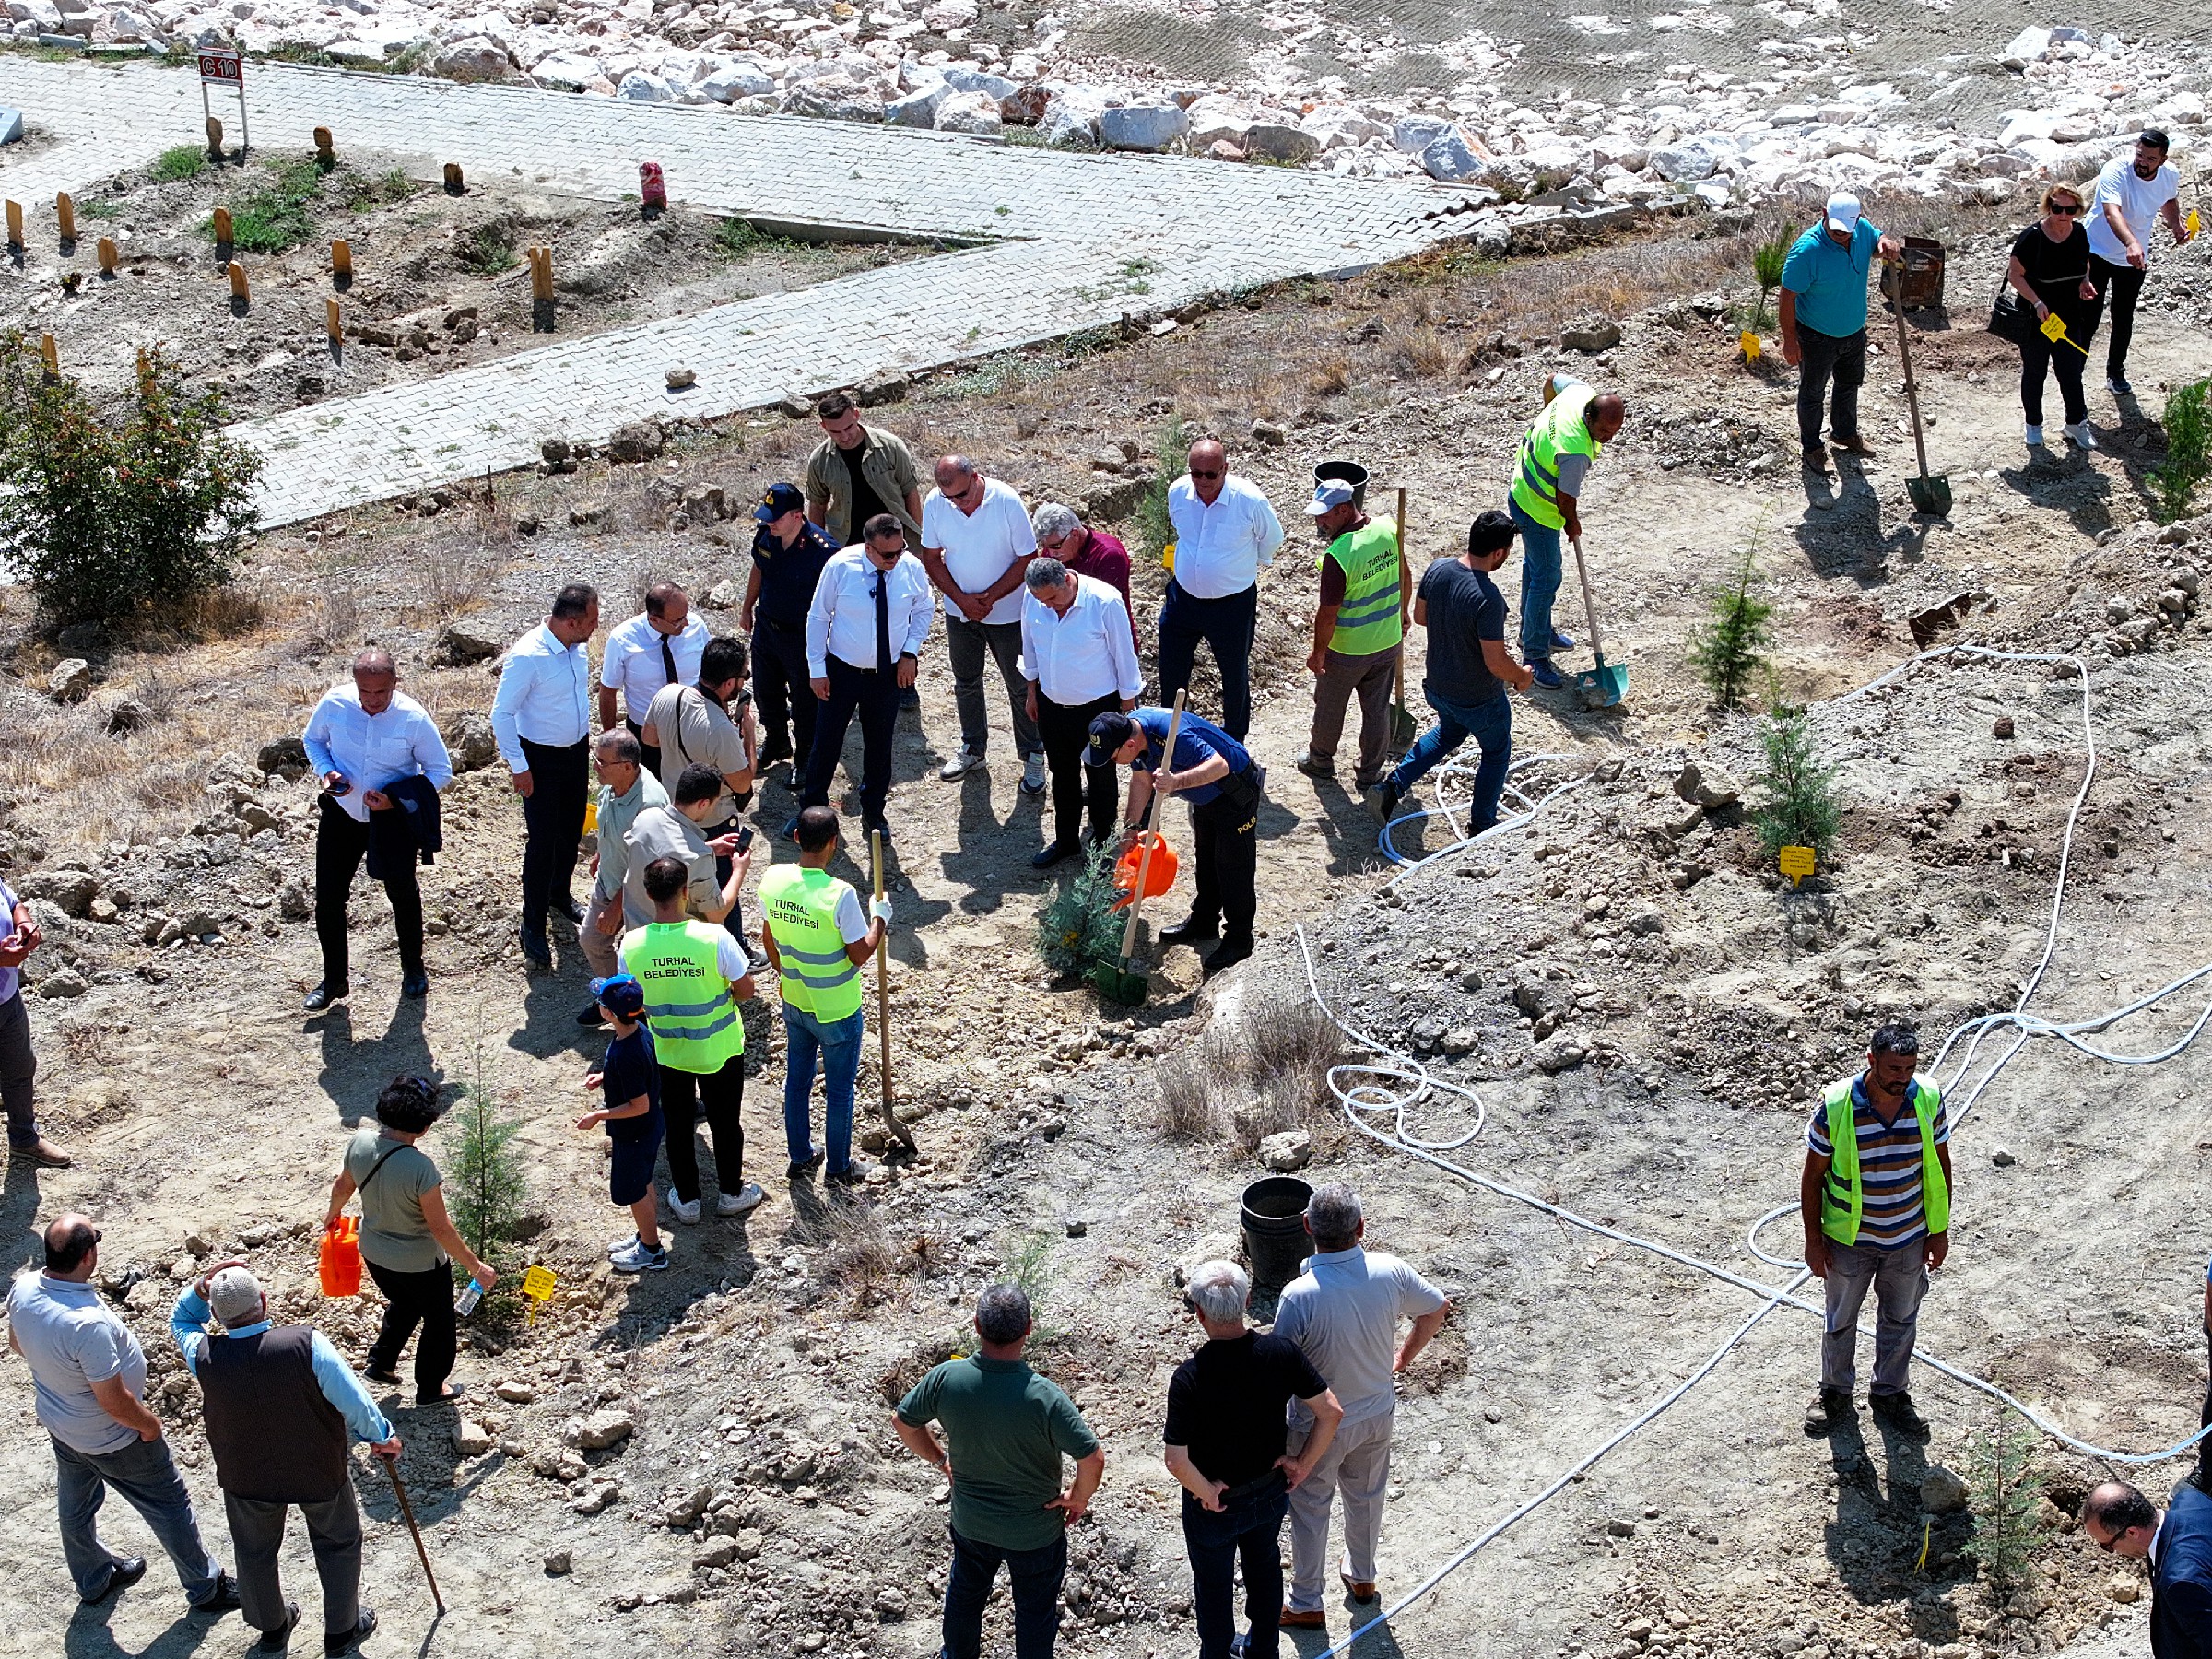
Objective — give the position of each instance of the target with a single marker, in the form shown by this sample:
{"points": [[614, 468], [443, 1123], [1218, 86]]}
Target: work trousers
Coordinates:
{"points": [[718, 1097], [18, 1073], [424, 1298], [874, 695], [1823, 358], [1226, 626], [1065, 730], [1036, 1576], [1539, 581], [1226, 860], [2037, 355], [1371, 678], [2118, 286], [1899, 1279], [649, 753], [334, 1531], [145, 1477], [1249, 1529], [1492, 725], [1358, 1464], [835, 1044], [781, 691], [602, 952], [341, 842], [553, 825], [967, 644]]}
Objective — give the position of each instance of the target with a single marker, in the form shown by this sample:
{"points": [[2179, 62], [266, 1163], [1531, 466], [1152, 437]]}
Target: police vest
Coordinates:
{"points": [[1843, 1195], [689, 1007], [1557, 431], [1369, 620], [800, 907]]}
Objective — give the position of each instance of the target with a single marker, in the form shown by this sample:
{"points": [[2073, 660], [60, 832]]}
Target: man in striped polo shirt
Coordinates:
{"points": [[1877, 1200]]}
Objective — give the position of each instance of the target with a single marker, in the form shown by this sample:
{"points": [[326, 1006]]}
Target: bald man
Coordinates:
{"points": [[361, 738], [1549, 470], [976, 546], [1224, 532]]}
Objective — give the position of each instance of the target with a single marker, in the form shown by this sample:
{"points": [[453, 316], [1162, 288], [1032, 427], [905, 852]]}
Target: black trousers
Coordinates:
{"points": [[423, 1298], [1227, 625], [686, 1097], [1224, 831], [2062, 359], [341, 842], [18, 1073], [1066, 733], [333, 1529], [1837, 360], [2119, 286], [553, 825], [649, 754], [781, 689], [874, 696]]}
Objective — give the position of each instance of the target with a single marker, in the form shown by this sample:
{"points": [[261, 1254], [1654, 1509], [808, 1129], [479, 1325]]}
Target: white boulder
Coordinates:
{"points": [[968, 112], [739, 78], [1143, 126], [473, 58], [642, 86], [1340, 126]]}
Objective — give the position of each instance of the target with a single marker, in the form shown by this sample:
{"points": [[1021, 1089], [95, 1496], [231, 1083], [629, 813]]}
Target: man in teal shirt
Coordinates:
{"points": [[1006, 1428], [1824, 321]]}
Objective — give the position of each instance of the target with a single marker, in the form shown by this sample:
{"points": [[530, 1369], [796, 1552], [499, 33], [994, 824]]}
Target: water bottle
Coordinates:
{"points": [[465, 1304]]}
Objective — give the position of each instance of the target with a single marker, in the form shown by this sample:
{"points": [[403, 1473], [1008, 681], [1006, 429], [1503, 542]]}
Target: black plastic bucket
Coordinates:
{"points": [[1275, 1241], [1344, 472]]}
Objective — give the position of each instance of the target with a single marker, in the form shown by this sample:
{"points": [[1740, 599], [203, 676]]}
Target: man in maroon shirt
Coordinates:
{"points": [[1086, 552]]}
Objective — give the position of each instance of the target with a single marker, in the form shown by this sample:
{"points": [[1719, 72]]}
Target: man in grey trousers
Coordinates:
{"points": [[1343, 1311]]}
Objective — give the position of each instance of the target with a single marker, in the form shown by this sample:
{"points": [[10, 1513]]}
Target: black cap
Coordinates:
{"points": [[1108, 733], [779, 500]]}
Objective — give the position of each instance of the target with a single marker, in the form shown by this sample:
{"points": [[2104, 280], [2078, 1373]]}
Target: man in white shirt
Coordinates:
{"points": [[541, 718], [1081, 660], [864, 631], [1224, 532], [976, 541], [360, 739], [2131, 192], [659, 646]]}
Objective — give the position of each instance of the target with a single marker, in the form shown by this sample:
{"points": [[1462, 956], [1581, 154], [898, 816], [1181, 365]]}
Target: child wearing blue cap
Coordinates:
{"points": [[629, 1078]]}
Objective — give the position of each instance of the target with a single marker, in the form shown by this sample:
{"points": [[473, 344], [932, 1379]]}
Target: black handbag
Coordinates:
{"points": [[2010, 318]]}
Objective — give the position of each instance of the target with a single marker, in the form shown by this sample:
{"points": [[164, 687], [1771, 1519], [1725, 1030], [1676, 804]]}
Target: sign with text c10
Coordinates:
{"points": [[222, 66]]}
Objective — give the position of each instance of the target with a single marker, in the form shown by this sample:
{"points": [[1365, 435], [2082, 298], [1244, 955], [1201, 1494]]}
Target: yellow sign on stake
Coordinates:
{"points": [[2192, 224], [2054, 331], [537, 1285], [1748, 343], [1797, 862]]}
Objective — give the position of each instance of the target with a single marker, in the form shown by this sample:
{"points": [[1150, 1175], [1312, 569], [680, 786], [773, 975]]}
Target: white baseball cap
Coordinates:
{"points": [[1327, 497], [1843, 212]]}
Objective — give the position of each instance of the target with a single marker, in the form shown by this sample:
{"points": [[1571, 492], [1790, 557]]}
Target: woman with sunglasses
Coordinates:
{"points": [[2050, 271]]}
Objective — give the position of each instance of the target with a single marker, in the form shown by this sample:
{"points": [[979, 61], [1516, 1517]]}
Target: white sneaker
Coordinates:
{"points": [[1032, 775], [2035, 437], [2082, 436], [736, 1204], [622, 1246], [685, 1213], [638, 1259], [959, 766]]}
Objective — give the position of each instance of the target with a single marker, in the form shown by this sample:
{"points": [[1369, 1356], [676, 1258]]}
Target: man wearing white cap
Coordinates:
{"points": [[1359, 630], [1824, 321]]}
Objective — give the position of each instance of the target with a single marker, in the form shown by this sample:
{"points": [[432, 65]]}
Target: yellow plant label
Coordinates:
{"points": [[1749, 342], [590, 817], [1797, 862], [537, 1283], [2192, 224]]}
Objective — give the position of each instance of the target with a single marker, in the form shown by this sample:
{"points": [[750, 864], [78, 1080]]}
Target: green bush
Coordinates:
{"points": [[489, 249], [1153, 530], [1732, 648], [276, 217], [185, 161], [2188, 425], [1080, 929], [484, 1180], [1800, 808], [107, 511], [1767, 260]]}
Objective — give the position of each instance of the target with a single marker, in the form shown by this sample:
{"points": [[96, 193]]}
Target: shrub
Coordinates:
{"points": [[1767, 260], [2188, 425], [276, 217], [1800, 808], [489, 249], [2003, 1502], [1731, 648], [185, 161], [106, 512], [1030, 1266], [1079, 928], [1153, 530], [484, 1179]]}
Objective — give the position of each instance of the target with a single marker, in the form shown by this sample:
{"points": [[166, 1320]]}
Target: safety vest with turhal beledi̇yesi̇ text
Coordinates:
{"points": [[800, 906], [689, 1007], [1368, 619], [1843, 1194], [1560, 430]]}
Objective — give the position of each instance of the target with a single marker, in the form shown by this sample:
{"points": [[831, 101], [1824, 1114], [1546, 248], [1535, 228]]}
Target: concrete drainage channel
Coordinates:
{"points": [[1389, 1086]]}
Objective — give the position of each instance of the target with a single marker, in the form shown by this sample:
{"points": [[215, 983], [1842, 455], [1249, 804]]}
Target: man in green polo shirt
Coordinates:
{"points": [[1006, 1428], [1359, 630]]}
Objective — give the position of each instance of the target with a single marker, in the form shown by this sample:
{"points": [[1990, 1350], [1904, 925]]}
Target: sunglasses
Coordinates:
{"points": [[2068, 208], [1200, 472]]}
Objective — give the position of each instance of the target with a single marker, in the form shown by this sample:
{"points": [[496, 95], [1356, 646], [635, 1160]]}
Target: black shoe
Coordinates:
{"points": [[867, 831], [805, 1166], [1227, 955], [1831, 1410], [385, 1379], [324, 995], [1896, 1410], [1382, 801], [1052, 853], [276, 1642], [416, 984], [774, 753], [590, 1016], [535, 948], [363, 1628], [1190, 931], [566, 904], [854, 1174], [127, 1571], [223, 1598], [455, 1394], [790, 831]]}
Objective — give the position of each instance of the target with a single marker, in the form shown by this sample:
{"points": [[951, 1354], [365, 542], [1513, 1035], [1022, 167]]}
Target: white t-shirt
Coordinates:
{"points": [[2139, 200], [979, 545]]}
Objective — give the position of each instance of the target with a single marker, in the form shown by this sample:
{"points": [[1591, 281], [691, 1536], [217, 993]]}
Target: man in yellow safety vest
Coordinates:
{"points": [[818, 938], [1877, 1201], [1549, 469], [1359, 630]]}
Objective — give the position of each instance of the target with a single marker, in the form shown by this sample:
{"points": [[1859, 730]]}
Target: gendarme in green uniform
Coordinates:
{"points": [[688, 1005], [1560, 430], [818, 977], [1843, 1196], [1369, 620]]}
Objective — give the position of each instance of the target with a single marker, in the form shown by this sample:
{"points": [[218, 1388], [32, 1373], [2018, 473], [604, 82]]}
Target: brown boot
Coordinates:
{"points": [[1831, 1410], [43, 1153]]}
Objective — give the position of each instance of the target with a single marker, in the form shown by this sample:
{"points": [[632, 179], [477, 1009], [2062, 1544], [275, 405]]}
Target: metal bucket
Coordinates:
{"points": [[1276, 1241], [1922, 274], [1344, 472]]}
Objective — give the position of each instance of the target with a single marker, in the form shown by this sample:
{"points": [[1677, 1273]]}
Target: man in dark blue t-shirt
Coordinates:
{"points": [[1467, 673], [629, 1079], [788, 556], [1218, 776]]}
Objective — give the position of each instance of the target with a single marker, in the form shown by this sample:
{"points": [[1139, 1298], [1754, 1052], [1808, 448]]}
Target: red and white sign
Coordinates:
{"points": [[222, 66]]}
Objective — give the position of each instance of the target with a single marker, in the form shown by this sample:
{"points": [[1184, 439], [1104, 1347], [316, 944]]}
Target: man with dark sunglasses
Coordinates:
{"points": [[2121, 1521], [1224, 532]]}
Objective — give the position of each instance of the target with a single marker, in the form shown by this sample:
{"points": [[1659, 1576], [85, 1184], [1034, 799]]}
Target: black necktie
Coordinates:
{"points": [[883, 620], [669, 659]]}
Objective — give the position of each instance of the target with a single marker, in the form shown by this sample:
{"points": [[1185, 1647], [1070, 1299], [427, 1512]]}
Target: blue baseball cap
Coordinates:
{"points": [[779, 500], [619, 993]]}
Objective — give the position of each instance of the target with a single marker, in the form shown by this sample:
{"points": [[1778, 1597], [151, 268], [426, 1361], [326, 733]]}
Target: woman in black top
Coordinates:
{"points": [[2050, 270]]}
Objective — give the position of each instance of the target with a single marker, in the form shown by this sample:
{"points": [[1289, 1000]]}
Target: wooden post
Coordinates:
{"points": [[333, 322], [64, 210], [454, 184], [325, 152], [541, 274], [240, 290], [341, 259], [107, 256], [50, 355], [15, 224], [222, 227], [214, 139]]}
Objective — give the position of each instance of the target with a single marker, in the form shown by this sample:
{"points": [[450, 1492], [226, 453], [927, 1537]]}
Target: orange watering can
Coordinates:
{"points": [[1158, 872], [341, 1260]]}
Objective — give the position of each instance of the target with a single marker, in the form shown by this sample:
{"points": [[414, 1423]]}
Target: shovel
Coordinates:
{"points": [[1607, 684], [898, 1130], [1124, 982], [1404, 728], [1931, 493]]}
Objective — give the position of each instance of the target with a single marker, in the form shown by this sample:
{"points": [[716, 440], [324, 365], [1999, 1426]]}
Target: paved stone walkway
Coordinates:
{"points": [[1067, 233]]}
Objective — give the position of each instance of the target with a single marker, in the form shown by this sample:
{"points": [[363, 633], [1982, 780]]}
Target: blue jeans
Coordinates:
{"points": [[1036, 1575], [146, 1477], [1252, 1527], [1539, 581], [837, 1043], [1491, 726]]}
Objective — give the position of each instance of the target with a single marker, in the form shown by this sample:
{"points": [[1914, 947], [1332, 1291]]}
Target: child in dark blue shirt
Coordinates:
{"points": [[630, 1080]]}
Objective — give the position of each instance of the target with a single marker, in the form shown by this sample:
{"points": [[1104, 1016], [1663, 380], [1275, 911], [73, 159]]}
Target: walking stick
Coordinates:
{"points": [[899, 1132], [407, 1509], [1403, 730]]}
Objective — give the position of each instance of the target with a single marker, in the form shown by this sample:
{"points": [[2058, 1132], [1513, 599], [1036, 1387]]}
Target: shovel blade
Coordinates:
{"points": [[1931, 495], [1603, 686], [1404, 729], [1127, 984]]}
